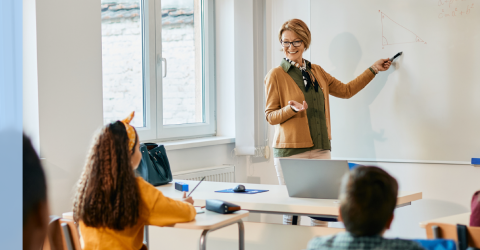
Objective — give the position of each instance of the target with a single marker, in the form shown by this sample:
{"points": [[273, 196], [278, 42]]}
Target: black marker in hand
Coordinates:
{"points": [[395, 56]]}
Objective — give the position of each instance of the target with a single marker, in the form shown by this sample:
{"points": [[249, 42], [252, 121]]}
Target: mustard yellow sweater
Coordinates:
{"points": [[155, 209], [280, 88]]}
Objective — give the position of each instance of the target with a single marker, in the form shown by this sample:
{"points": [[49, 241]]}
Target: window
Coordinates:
{"points": [[122, 61], [158, 59]]}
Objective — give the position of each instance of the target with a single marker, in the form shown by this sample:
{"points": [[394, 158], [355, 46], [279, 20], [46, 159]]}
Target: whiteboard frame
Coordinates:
{"points": [[403, 161]]}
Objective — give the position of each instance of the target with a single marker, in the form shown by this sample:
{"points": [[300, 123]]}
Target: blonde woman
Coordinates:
{"points": [[297, 102]]}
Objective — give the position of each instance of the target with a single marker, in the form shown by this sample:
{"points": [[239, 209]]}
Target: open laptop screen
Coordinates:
{"points": [[312, 178]]}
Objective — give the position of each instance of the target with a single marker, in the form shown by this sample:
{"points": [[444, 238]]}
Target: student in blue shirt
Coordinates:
{"points": [[367, 200]]}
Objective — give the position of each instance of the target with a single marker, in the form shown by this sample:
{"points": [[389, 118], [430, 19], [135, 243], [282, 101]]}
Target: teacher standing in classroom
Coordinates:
{"points": [[297, 102]]}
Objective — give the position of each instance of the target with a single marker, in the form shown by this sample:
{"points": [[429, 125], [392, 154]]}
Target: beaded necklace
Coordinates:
{"points": [[307, 78]]}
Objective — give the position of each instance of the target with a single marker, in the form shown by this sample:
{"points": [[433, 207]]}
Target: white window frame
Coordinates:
{"points": [[153, 129]]}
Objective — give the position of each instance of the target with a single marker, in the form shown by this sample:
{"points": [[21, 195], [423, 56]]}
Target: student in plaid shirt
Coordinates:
{"points": [[367, 200]]}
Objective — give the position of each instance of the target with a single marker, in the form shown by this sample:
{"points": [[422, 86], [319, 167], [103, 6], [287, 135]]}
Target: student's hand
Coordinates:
{"points": [[383, 64], [185, 199], [297, 106]]}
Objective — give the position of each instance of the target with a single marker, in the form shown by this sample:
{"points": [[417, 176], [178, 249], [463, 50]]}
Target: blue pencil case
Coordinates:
{"points": [[247, 191]]}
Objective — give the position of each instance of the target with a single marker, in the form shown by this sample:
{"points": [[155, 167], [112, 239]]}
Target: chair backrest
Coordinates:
{"points": [[74, 234], [449, 231], [62, 234], [55, 239]]}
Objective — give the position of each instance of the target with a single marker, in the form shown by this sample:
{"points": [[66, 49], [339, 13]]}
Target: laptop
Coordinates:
{"points": [[312, 178]]}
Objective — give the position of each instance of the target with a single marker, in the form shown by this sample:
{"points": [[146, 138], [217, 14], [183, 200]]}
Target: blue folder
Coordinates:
{"points": [[247, 191], [437, 244], [352, 165]]}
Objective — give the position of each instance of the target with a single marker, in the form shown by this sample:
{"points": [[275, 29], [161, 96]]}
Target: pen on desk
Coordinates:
{"points": [[196, 186]]}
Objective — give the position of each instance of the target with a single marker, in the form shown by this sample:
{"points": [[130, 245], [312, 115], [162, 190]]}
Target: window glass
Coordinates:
{"points": [[183, 97], [131, 61], [123, 87]]}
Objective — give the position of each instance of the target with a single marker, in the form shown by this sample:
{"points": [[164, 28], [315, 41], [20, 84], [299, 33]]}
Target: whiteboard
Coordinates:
{"points": [[426, 107]]}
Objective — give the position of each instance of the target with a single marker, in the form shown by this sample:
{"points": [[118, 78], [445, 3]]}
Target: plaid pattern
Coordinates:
{"points": [[345, 241]]}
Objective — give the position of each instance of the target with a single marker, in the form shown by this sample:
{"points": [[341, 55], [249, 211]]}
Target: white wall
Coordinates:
{"points": [[225, 88], [69, 91], [192, 158], [244, 77], [282, 11], [30, 81]]}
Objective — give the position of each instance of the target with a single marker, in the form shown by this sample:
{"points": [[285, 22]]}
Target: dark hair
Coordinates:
{"points": [[367, 200], [34, 185], [108, 194]]}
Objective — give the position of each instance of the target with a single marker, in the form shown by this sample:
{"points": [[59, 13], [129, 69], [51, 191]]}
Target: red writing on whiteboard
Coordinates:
{"points": [[395, 33], [449, 3], [455, 8]]}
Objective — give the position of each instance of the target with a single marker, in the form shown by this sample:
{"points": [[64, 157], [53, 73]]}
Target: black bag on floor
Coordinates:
{"points": [[154, 166]]}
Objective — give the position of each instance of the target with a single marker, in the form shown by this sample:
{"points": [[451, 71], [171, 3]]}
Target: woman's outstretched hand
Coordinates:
{"points": [[297, 106], [383, 64]]}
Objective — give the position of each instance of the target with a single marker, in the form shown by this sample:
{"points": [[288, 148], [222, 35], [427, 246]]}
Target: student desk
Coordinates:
{"points": [[258, 236], [211, 221], [463, 219], [275, 201], [208, 222]]}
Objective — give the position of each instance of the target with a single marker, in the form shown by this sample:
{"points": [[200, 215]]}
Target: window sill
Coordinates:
{"points": [[197, 142]]}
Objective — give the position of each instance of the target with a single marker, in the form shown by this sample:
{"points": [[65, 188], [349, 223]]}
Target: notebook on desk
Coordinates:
{"points": [[312, 178]]}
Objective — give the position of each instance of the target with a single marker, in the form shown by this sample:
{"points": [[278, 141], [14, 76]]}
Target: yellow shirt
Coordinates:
{"points": [[155, 209]]}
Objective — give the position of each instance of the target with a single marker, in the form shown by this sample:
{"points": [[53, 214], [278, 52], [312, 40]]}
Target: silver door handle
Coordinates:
{"points": [[165, 71]]}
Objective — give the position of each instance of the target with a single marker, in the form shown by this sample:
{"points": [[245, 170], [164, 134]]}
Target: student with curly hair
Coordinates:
{"points": [[111, 205]]}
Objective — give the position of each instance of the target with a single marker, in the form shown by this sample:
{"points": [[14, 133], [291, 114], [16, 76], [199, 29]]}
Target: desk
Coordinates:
{"points": [[463, 219], [211, 221], [208, 222], [275, 201], [258, 236], [68, 215]]}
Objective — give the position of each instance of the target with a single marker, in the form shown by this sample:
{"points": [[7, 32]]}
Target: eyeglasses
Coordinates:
{"points": [[294, 43]]}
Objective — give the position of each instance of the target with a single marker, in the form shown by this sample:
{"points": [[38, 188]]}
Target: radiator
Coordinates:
{"points": [[225, 173]]}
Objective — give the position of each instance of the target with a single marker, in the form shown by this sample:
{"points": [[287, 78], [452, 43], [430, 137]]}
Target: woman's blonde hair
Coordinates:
{"points": [[298, 27]]}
